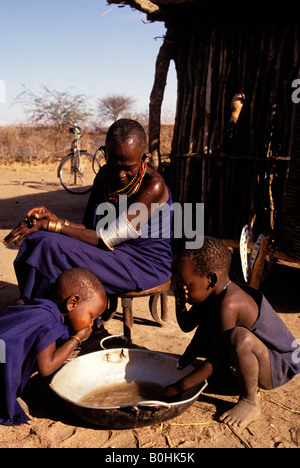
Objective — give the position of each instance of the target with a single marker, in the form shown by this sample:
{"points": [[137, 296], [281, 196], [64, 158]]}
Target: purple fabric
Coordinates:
{"points": [[26, 331], [272, 331], [137, 264]]}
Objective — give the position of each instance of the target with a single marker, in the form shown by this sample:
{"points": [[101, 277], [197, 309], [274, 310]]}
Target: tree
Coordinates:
{"points": [[114, 106], [52, 107]]}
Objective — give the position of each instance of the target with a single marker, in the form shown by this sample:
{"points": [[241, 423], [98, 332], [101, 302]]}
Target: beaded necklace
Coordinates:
{"points": [[130, 189], [225, 287]]}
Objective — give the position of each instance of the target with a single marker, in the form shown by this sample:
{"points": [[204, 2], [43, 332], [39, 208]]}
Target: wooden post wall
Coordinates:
{"points": [[216, 56]]}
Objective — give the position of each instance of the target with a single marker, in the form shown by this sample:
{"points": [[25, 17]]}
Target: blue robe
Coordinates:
{"points": [[282, 346], [25, 331], [137, 264]]}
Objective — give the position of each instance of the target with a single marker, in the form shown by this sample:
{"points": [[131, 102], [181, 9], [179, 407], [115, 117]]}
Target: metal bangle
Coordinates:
{"points": [[75, 340], [51, 226], [118, 231], [59, 225]]}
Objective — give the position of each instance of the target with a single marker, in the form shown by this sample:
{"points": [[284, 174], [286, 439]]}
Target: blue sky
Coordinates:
{"points": [[72, 45]]}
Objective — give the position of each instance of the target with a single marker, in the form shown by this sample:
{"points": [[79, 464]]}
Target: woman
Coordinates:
{"points": [[124, 256]]}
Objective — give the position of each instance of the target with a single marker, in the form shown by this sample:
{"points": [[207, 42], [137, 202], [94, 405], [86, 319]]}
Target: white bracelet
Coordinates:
{"points": [[118, 231]]}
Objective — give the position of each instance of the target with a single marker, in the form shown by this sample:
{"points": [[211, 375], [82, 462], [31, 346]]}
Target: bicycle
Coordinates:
{"points": [[77, 170]]}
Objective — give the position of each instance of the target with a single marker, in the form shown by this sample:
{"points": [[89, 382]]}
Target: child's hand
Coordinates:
{"points": [[181, 294], [170, 392], [84, 333]]}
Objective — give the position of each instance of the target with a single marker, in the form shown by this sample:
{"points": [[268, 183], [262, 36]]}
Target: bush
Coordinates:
{"points": [[30, 144]]}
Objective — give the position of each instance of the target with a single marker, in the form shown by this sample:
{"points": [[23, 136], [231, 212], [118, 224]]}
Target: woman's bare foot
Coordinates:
{"points": [[242, 413], [21, 302]]}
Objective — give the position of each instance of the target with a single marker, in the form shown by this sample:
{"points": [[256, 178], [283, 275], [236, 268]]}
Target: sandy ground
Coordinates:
{"points": [[54, 427]]}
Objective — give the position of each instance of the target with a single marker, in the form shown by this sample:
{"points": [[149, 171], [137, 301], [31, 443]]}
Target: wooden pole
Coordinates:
{"points": [[162, 67]]}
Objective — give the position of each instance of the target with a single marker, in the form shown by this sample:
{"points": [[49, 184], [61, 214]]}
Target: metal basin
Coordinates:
{"points": [[102, 368]]}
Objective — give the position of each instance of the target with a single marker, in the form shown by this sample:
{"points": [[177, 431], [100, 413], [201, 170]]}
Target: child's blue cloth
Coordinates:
{"points": [[281, 344], [25, 331]]}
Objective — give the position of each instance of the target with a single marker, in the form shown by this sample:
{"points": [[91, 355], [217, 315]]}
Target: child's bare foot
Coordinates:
{"points": [[242, 413]]}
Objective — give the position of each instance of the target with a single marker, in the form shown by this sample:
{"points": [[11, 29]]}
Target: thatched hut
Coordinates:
{"points": [[245, 170]]}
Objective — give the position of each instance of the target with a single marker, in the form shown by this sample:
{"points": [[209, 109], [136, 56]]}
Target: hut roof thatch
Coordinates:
{"points": [[155, 9], [163, 10]]}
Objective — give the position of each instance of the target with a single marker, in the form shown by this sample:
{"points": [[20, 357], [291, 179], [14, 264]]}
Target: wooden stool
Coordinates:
{"points": [[160, 292]]}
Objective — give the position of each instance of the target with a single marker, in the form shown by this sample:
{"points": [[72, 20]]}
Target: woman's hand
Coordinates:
{"points": [[24, 229], [36, 220], [40, 212]]}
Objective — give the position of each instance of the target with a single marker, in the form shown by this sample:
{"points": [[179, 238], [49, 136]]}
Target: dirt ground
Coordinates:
{"points": [[53, 426]]}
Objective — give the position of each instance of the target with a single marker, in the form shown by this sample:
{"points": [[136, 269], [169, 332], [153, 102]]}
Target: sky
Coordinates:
{"points": [[80, 46]]}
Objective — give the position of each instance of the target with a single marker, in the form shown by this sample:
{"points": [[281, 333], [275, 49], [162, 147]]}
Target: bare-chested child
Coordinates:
{"points": [[234, 322]]}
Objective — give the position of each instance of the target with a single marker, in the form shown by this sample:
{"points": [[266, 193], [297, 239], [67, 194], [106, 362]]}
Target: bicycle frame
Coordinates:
{"points": [[75, 147], [76, 144], [76, 170]]}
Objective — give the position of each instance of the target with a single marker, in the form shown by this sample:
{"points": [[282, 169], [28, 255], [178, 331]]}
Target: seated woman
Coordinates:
{"points": [[131, 254]]}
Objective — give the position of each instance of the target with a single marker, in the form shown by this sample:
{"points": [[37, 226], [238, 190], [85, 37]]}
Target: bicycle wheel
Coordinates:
{"points": [[76, 172]]}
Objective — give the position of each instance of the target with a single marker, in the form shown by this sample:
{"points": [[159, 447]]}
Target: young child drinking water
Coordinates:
{"points": [[42, 334], [236, 326]]}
